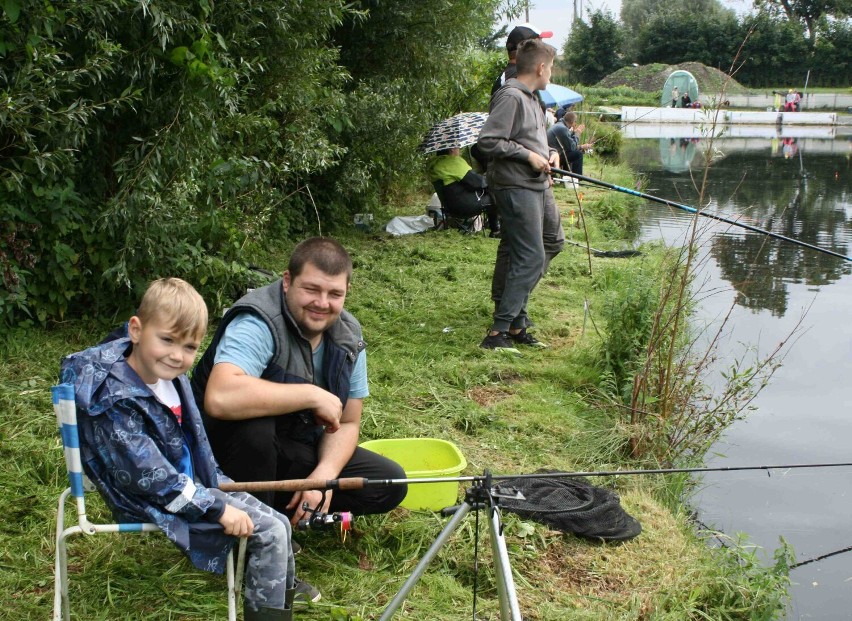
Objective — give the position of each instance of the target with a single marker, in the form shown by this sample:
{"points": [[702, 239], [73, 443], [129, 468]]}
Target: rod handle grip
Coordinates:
{"points": [[292, 485]]}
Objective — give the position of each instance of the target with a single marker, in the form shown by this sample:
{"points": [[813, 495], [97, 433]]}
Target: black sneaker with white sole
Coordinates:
{"points": [[525, 338], [497, 341]]}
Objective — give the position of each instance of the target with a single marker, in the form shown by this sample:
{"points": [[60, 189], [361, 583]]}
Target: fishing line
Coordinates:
{"points": [[821, 557], [698, 212], [359, 483], [716, 535]]}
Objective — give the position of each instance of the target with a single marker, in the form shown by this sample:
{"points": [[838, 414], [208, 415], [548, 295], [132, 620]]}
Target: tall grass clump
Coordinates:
{"points": [[656, 369]]}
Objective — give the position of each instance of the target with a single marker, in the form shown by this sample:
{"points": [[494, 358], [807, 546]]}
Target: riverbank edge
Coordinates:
{"points": [[424, 304]]}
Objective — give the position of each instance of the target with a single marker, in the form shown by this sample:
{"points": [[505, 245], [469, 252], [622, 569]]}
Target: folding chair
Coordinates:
{"points": [[446, 217], [66, 417]]}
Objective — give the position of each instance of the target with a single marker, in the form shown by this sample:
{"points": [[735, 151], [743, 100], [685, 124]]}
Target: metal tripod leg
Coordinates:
{"points": [[509, 609], [451, 526]]}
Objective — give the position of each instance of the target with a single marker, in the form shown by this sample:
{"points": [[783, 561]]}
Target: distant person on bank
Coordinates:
{"points": [[565, 138]]}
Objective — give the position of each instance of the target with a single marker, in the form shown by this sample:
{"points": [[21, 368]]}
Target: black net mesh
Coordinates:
{"points": [[572, 505]]}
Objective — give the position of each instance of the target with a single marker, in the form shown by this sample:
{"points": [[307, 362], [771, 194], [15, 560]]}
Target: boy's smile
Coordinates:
{"points": [[158, 352]]}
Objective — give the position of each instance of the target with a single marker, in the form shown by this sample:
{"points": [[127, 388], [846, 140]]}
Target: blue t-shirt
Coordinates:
{"points": [[248, 344]]}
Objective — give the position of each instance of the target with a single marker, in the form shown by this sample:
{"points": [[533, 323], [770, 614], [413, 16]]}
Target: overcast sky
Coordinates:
{"points": [[556, 15]]}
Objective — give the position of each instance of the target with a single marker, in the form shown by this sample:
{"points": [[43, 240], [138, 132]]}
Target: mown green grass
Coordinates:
{"points": [[424, 303]]}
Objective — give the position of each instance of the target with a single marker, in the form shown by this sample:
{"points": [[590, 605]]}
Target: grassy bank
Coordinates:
{"points": [[424, 303]]}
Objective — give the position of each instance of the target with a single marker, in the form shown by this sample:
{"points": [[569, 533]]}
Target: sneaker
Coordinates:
{"points": [[295, 546], [524, 338], [497, 341], [305, 592]]}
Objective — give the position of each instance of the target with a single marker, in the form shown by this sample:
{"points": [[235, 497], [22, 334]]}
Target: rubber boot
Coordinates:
{"points": [[268, 614]]}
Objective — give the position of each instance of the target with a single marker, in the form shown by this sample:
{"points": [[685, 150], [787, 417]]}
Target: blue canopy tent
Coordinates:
{"points": [[555, 96]]}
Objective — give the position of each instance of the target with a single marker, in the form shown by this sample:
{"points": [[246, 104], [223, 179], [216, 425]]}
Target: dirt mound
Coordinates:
{"points": [[652, 78]]}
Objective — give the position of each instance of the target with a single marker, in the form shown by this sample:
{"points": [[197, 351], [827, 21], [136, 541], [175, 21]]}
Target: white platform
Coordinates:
{"points": [[703, 130], [709, 116]]}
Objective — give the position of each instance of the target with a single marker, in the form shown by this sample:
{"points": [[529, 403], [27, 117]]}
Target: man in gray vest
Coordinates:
{"points": [[282, 386]]}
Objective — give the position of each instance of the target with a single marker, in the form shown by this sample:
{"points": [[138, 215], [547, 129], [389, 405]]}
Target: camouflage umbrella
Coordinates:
{"points": [[455, 132]]}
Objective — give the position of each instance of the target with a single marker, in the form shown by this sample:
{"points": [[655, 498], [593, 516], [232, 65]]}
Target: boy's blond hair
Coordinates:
{"points": [[176, 304]]}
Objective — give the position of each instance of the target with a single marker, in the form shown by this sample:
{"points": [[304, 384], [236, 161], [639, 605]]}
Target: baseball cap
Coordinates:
{"points": [[524, 32]]}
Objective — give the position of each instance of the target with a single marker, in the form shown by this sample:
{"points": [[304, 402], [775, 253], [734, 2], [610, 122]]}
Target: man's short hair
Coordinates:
{"points": [[176, 304], [533, 52], [569, 119], [326, 254]]}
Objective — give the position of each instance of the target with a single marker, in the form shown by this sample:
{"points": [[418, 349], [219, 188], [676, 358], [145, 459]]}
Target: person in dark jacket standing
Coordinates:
{"points": [[518, 34], [515, 142], [282, 385]]}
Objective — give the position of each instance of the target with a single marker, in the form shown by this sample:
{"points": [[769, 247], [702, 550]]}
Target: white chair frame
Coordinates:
{"points": [[66, 416]]}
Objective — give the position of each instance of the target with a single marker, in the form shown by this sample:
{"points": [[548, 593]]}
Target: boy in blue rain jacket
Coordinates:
{"points": [[144, 447]]}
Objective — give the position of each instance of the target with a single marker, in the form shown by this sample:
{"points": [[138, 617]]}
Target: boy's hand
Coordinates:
{"points": [[236, 522], [537, 162]]}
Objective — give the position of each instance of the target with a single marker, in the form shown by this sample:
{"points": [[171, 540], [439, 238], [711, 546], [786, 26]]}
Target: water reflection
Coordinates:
{"points": [[803, 415], [795, 187], [676, 154]]}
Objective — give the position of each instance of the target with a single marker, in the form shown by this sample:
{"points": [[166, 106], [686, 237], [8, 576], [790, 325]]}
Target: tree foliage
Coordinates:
{"points": [[807, 12], [684, 36], [775, 51], [761, 49], [592, 50], [142, 138], [636, 14]]}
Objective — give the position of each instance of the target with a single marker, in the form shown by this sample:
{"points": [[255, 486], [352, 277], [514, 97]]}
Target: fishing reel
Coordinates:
{"points": [[321, 520]]}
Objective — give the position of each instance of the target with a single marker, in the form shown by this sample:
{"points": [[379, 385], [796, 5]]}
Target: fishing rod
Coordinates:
{"points": [[355, 483], [693, 210]]}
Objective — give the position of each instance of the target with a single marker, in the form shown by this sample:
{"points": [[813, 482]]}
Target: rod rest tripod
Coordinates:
{"points": [[479, 496]]}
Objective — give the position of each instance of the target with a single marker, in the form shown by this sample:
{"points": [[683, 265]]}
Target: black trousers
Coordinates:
{"points": [[256, 450]]}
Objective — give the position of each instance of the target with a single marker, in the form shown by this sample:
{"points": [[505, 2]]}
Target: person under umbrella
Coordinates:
{"points": [[463, 193]]}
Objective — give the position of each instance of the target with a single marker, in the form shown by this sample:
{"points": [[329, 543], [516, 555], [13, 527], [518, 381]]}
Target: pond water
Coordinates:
{"points": [[797, 184]]}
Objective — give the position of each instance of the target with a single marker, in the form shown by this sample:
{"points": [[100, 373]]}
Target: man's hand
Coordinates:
{"points": [[312, 497], [328, 409], [554, 159], [236, 522], [537, 162]]}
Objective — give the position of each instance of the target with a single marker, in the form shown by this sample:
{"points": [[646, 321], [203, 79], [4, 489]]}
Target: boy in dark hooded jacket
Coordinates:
{"points": [[143, 445]]}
